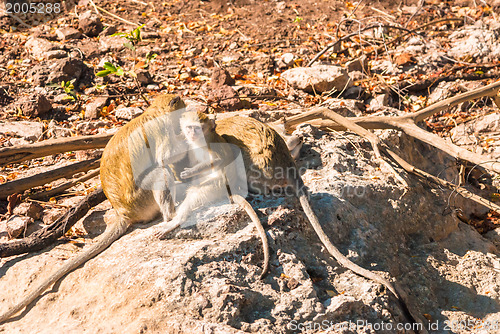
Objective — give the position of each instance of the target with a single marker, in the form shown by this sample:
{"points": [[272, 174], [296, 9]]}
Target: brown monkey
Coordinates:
{"points": [[130, 152], [212, 174], [136, 178], [266, 156]]}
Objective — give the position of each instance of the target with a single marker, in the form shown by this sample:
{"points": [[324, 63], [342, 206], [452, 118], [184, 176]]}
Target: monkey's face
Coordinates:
{"points": [[193, 132]]}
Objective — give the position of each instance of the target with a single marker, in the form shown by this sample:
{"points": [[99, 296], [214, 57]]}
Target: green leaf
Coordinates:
{"points": [[129, 46], [150, 56], [119, 71], [103, 73], [109, 66], [136, 33], [121, 34]]}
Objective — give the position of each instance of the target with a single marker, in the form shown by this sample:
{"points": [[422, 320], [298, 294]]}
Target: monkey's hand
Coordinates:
{"points": [[163, 229], [188, 173]]}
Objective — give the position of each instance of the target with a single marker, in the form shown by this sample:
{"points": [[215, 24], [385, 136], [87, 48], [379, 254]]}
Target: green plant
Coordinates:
{"points": [[150, 56], [133, 37], [110, 68], [68, 88]]}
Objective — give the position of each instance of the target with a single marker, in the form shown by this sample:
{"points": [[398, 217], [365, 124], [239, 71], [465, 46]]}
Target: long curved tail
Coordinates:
{"points": [[345, 262], [112, 233], [262, 233]]}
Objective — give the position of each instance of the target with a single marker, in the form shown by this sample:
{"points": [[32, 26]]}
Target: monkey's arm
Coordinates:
{"points": [[205, 166]]}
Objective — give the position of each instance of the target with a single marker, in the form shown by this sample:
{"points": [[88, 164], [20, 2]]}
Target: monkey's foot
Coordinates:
{"points": [[163, 229]]}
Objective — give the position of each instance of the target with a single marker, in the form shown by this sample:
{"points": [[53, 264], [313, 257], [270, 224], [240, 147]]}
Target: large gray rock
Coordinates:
{"points": [[66, 70], [31, 131], [205, 278], [477, 42], [319, 78], [90, 24], [39, 47]]}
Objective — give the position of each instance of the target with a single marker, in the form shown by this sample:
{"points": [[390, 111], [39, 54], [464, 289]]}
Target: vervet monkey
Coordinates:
{"points": [[212, 173], [268, 164], [131, 151], [136, 180]]}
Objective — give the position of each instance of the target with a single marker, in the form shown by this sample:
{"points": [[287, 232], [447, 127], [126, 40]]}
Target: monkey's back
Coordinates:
{"points": [[117, 175], [265, 153]]}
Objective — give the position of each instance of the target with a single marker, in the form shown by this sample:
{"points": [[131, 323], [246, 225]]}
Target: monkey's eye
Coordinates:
{"points": [[193, 128]]}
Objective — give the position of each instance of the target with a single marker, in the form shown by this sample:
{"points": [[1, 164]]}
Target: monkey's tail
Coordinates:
{"points": [[262, 233], [345, 262], [112, 233]]}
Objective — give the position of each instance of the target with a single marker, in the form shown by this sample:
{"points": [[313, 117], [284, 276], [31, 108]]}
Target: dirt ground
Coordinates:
{"points": [[415, 53]]}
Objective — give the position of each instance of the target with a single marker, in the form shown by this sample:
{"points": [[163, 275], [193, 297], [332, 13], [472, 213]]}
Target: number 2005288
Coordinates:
{"points": [[33, 8]]}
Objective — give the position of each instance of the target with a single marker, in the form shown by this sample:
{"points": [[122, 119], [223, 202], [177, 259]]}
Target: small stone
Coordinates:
{"points": [[221, 77], [358, 64], [112, 43], [379, 101], [30, 131], [292, 283], [55, 131], [93, 108], [39, 46], [66, 70], [56, 54], [88, 127], [226, 97], [280, 6], [29, 209], [36, 105], [319, 78], [16, 225], [52, 215], [144, 77], [68, 33], [286, 60], [17, 142], [90, 24]]}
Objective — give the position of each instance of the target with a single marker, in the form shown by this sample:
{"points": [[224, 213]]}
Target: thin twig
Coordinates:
{"points": [[54, 191], [331, 45], [139, 2], [419, 8], [383, 13], [113, 15]]}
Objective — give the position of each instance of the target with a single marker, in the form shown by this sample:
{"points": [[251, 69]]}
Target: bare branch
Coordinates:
{"points": [[29, 182], [10, 155]]}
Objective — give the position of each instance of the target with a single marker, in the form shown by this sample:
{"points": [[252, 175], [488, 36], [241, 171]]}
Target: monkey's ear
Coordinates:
{"points": [[211, 123], [174, 101]]}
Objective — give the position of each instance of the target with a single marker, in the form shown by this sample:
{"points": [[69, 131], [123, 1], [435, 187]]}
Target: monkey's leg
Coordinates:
{"points": [[195, 197], [164, 191], [164, 200]]}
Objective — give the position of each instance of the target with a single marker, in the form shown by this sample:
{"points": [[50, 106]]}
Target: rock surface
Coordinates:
{"points": [[319, 78], [205, 278], [31, 131]]}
